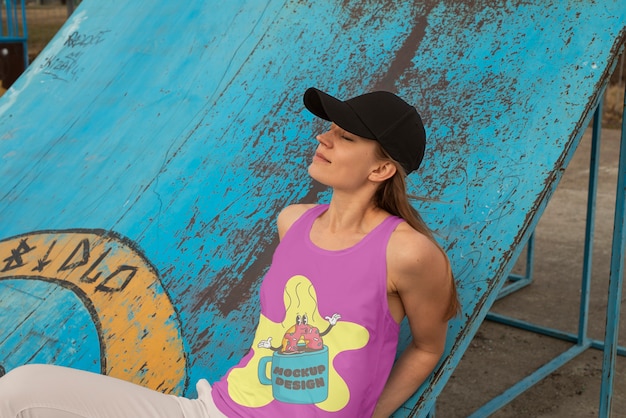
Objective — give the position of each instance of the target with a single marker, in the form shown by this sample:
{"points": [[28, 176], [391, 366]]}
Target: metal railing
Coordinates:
{"points": [[13, 40], [12, 19]]}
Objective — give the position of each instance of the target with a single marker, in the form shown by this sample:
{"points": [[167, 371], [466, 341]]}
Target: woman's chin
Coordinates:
{"points": [[317, 176]]}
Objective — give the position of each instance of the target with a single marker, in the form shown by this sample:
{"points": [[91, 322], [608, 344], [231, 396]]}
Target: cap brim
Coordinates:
{"points": [[334, 110]]}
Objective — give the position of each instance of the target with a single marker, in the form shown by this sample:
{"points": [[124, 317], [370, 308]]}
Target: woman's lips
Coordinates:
{"points": [[320, 157]]}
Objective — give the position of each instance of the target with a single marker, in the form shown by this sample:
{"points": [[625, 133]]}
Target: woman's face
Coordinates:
{"points": [[343, 160]]}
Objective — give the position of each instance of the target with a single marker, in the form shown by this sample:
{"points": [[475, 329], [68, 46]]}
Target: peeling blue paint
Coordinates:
{"points": [[182, 129]]}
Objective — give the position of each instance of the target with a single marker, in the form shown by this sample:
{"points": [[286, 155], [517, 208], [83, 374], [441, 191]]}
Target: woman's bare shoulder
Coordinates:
{"points": [[419, 272], [413, 252], [289, 215]]}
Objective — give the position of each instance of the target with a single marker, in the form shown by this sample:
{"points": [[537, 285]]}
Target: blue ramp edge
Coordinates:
{"points": [[146, 152]]}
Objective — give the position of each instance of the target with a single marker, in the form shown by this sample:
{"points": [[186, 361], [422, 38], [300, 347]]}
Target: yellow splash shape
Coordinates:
{"points": [[300, 298]]}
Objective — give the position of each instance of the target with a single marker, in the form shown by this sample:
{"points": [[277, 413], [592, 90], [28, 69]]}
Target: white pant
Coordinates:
{"points": [[60, 392]]}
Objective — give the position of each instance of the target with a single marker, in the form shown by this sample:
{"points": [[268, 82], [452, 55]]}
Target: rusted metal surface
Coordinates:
{"points": [[181, 132]]}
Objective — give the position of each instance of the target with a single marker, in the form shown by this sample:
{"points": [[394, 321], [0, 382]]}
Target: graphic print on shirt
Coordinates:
{"points": [[292, 361]]}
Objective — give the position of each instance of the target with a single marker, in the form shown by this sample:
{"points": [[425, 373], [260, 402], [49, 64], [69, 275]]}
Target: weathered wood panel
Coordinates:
{"points": [[145, 154]]}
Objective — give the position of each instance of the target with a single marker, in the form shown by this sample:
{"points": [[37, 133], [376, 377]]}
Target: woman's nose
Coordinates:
{"points": [[324, 139]]}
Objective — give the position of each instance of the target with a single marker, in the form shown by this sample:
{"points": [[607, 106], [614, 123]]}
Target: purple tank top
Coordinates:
{"points": [[326, 341]]}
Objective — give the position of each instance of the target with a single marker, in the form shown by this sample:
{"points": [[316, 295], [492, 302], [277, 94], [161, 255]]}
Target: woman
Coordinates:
{"points": [[342, 279]]}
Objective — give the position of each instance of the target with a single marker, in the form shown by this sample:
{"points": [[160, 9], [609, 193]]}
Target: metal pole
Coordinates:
{"points": [[1, 19], [620, 79], [615, 281], [594, 164]]}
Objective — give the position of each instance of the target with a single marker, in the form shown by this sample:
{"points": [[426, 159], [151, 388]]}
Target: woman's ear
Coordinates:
{"points": [[385, 170]]}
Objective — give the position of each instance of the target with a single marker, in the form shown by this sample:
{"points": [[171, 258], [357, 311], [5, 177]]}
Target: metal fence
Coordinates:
{"points": [[44, 19], [26, 27], [12, 19], [13, 46]]}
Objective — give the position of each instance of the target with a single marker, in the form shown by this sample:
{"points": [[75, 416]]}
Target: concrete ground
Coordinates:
{"points": [[500, 355]]}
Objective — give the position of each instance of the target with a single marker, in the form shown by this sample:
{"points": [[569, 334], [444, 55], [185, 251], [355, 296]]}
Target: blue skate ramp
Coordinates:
{"points": [[145, 153]]}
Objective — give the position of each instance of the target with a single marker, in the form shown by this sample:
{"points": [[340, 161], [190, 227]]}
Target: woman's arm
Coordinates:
{"points": [[419, 276]]}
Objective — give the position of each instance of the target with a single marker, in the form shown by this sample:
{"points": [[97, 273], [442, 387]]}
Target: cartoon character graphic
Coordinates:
{"points": [[302, 337], [299, 369]]}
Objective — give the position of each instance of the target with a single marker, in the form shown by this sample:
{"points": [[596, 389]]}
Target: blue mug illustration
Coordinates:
{"points": [[300, 378]]}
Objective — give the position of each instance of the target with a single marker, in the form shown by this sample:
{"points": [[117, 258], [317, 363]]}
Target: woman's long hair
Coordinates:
{"points": [[392, 197]]}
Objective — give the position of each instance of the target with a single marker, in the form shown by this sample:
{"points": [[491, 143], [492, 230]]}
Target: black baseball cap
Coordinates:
{"points": [[379, 115]]}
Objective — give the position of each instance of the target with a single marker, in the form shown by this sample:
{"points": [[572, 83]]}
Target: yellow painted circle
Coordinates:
{"points": [[137, 325]]}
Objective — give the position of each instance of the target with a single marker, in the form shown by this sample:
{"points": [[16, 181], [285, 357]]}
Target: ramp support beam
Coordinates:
{"points": [[615, 281], [610, 345]]}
